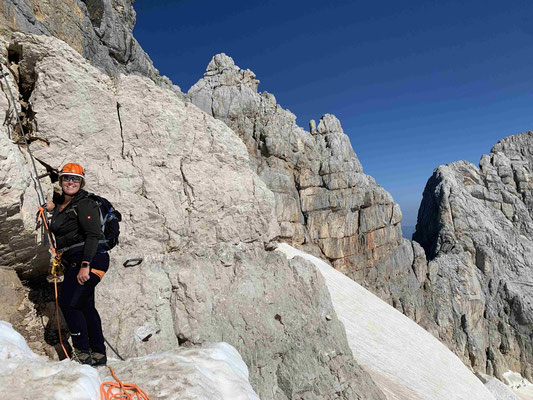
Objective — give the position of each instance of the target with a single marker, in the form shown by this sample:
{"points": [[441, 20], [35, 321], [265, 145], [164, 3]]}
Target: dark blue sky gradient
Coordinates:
{"points": [[415, 84]]}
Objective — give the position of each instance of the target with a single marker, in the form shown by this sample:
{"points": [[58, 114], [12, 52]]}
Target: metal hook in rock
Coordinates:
{"points": [[132, 262]]}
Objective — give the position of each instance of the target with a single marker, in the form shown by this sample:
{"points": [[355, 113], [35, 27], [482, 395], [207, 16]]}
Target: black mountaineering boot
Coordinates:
{"points": [[99, 359], [83, 357]]}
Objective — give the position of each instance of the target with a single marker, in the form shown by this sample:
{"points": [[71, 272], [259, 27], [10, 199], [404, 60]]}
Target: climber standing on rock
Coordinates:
{"points": [[77, 228]]}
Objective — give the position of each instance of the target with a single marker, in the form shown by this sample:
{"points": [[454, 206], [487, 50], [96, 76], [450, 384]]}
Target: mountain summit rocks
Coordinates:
{"points": [[99, 30], [323, 198], [475, 225]]}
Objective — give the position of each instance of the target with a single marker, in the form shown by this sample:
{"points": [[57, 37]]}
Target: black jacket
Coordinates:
{"points": [[78, 222]]}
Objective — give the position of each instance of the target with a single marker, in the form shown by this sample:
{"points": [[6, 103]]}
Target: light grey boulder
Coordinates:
{"points": [[199, 216], [476, 226]]}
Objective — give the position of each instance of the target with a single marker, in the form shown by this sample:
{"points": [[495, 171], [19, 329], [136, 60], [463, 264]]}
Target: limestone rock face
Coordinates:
{"points": [[323, 198], [100, 30], [11, 293], [476, 225], [192, 208]]}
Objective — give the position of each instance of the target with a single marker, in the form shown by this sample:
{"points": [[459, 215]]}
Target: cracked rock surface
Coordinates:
{"points": [[192, 207], [476, 226]]}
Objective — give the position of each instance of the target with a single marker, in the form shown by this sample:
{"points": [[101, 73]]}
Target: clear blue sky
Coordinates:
{"points": [[415, 84]]}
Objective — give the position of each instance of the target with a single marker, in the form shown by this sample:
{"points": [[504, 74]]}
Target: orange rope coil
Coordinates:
{"points": [[126, 391]]}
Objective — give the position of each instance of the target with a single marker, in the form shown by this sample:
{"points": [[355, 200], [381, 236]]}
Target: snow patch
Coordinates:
{"points": [[521, 386], [13, 345], [405, 360], [211, 372], [515, 380], [25, 375]]}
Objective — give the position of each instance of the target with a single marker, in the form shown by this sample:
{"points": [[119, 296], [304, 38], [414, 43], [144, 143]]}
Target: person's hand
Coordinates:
{"points": [[83, 275], [49, 206]]}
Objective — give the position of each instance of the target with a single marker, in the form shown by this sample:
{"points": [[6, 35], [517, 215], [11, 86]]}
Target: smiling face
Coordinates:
{"points": [[70, 184]]}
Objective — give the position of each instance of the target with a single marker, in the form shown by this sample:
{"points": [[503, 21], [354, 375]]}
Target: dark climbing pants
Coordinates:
{"points": [[77, 305]]}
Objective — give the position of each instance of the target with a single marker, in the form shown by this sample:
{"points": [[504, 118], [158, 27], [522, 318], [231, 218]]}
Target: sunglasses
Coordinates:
{"points": [[73, 178]]}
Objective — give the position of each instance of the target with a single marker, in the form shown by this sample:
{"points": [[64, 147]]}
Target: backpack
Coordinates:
{"points": [[109, 220]]}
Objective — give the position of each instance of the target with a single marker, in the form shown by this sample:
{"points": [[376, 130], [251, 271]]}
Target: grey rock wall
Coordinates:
{"points": [[325, 201], [193, 208], [100, 30], [323, 198], [476, 225]]}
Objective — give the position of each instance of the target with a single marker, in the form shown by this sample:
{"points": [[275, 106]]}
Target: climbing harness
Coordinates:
{"points": [[125, 390], [56, 271]]}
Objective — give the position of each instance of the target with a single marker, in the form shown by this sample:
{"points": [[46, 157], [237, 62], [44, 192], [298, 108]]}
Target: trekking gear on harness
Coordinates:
{"points": [[56, 266], [109, 221]]}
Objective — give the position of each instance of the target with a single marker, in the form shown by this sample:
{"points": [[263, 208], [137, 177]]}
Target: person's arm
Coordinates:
{"points": [[89, 220]]}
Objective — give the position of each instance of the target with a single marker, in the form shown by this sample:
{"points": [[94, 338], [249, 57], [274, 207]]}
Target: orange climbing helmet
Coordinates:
{"points": [[72, 169]]}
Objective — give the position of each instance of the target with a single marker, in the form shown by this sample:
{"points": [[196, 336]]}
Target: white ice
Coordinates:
{"points": [[25, 375], [211, 372]]}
